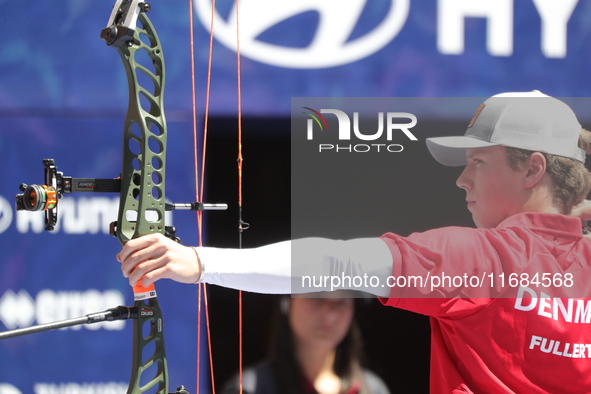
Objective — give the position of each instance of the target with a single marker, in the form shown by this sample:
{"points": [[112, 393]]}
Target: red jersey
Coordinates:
{"points": [[510, 307]]}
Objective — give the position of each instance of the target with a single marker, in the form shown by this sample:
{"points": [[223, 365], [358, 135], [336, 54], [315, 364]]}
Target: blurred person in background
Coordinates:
{"points": [[315, 348]]}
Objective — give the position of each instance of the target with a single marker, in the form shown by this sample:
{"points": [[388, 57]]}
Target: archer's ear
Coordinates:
{"points": [[536, 168]]}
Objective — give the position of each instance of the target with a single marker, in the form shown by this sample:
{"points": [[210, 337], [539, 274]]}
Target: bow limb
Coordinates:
{"points": [[142, 205]]}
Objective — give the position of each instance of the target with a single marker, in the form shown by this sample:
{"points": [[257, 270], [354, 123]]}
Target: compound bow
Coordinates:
{"points": [[141, 186]]}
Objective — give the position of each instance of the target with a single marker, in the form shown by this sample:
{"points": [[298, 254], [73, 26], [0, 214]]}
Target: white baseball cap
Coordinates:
{"points": [[526, 120]]}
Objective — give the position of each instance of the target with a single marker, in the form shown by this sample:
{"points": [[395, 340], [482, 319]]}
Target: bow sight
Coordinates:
{"points": [[46, 197]]}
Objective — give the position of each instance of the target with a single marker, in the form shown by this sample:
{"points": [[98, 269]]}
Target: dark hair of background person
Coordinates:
{"points": [[282, 355]]}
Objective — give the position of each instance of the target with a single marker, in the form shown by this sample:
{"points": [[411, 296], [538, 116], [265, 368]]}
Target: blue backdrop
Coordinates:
{"points": [[51, 57], [63, 95]]}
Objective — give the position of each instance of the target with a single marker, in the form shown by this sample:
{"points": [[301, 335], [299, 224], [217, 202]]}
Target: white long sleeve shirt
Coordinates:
{"points": [[301, 266]]}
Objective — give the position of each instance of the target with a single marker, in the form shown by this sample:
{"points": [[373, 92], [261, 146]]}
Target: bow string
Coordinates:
{"points": [[199, 182]]}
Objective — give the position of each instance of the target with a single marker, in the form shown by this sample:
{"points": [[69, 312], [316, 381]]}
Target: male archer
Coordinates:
{"points": [[524, 156]]}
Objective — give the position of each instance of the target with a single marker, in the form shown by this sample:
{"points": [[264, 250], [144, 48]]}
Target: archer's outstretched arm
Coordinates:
{"points": [[276, 268]]}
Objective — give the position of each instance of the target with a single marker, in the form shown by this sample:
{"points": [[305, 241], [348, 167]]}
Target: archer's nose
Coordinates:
{"points": [[464, 180]]}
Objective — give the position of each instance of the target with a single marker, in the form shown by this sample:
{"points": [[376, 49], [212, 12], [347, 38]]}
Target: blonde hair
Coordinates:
{"points": [[571, 179]]}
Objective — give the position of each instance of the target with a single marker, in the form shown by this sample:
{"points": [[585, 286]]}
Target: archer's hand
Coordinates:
{"points": [[155, 257], [583, 211]]}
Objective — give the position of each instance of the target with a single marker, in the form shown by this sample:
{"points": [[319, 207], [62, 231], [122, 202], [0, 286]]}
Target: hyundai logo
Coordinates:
{"points": [[331, 44]]}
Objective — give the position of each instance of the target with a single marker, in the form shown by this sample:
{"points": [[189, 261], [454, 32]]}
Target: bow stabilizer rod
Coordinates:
{"points": [[112, 314]]}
